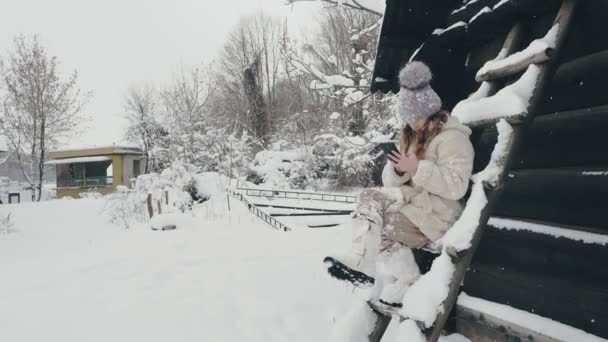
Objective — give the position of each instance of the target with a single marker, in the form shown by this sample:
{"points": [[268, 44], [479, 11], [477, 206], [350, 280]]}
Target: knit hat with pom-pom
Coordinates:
{"points": [[417, 100]]}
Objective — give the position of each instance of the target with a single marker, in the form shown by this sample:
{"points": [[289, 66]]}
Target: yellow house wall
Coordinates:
{"points": [[117, 170]]}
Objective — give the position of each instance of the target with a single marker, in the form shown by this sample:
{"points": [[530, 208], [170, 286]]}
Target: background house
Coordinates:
{"points": [[101, 168]]}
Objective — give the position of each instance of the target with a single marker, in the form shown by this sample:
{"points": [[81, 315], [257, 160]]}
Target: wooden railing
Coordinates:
{"points": [[290, 194]]}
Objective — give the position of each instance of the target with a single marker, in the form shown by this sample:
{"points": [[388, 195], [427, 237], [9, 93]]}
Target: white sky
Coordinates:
{"points": [[116, 43]]}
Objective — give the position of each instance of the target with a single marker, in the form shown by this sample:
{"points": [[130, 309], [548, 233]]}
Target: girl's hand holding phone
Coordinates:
{"points": [[404, 163]]}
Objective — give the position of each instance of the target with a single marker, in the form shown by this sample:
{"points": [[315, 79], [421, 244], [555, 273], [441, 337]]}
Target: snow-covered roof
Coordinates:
{"points": [[78, 160], [94, 151]]}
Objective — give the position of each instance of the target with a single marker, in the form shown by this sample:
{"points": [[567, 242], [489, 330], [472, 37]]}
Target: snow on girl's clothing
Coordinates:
{"points": [[387, 209], [430, 198]]}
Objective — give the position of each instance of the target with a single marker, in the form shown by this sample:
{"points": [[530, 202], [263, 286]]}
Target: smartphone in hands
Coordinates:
{"points": [[388, 148]]}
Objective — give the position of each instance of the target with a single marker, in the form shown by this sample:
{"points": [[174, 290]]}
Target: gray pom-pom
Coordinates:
{"points": [[415, 75]]}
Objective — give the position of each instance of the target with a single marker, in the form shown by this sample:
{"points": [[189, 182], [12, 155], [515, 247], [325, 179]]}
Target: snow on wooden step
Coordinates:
{"points": [[510, 101], [544, 326], [558, 232], [536, 53]]}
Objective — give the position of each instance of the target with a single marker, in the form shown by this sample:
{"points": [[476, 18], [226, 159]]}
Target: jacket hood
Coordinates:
{"points": [[454, 124]]}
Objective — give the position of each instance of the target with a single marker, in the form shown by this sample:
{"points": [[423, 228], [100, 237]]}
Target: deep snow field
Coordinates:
{"points": [[66, 274]]}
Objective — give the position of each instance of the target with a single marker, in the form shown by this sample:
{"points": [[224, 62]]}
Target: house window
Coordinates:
{"points": [[136, 167], [85, 174]]}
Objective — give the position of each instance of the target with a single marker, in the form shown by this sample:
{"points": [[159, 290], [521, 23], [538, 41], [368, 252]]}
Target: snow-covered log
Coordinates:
{"points": [[539, 51], [514, 323], [510, 101]]}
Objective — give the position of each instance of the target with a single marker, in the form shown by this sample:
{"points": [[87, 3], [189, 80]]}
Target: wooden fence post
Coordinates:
{"points": [[150, 208]]}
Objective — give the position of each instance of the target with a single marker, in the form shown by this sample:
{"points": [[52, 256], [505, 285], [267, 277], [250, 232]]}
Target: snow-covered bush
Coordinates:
{"points": [[331, 162], [90, 194], [7, 225], [125, 208], [289, 169]]}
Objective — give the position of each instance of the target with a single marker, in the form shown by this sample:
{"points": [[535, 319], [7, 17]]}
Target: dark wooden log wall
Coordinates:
{"points": [[560, 180], [559, 278]]}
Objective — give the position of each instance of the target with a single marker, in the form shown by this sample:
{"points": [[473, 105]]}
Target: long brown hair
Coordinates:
{"points": [[432, 127]]}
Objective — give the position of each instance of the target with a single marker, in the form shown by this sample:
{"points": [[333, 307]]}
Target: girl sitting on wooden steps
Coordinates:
{"points": [[420, 198]]}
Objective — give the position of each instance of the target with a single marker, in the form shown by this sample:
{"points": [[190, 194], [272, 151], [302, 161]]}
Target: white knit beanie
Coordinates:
{"points": [[417, 100]]}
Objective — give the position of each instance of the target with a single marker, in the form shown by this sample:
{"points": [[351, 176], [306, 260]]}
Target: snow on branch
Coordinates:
{"points": [[354, 4], [539, 51]]}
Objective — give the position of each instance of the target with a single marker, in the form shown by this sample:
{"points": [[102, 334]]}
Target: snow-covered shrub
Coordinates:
{"points": [[7, 225], [179, 183], [356, 171], [90, 194], [215, 150], [327, 145], [282, 169], [125, 208]]}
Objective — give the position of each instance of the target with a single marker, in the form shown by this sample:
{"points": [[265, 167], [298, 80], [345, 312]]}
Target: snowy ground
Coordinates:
{"points": [[223, 275], [69, 276]]}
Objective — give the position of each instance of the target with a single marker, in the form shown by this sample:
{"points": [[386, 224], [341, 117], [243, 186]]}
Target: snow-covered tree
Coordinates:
{"points": [[39, 107], [143, 112], [338, 64], [250, 73], [187, 102]]}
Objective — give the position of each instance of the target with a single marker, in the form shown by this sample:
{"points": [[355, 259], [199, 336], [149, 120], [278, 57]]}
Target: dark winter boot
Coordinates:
{"points": [[358, 266]]}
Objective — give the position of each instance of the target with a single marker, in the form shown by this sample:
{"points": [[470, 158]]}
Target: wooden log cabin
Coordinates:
{"points": [[544, 251]]}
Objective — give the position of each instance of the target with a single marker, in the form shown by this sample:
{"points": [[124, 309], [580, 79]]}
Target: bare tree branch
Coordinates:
{"points": [[355, 5]]}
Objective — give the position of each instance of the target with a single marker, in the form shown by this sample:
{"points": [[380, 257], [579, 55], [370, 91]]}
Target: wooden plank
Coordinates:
{"points": [[484, 327], [380, 327], [575, 302], [324, 225], [570, 209], [564, 182], [310, 214], [512, 120], [582, 68], [558, 278], [461, 266], [560, 139], [543, 255], [512, 69], [266, 205]]}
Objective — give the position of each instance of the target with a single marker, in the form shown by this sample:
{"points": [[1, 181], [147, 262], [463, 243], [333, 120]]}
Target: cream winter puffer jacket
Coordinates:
{"points": [[431, 196]]}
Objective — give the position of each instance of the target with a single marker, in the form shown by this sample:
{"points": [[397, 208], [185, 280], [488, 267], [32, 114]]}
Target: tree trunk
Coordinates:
{"points": [[258, 108], [41, 160]]}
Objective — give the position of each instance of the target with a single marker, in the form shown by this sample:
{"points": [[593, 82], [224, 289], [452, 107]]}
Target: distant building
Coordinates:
{"points": [[10, 168], [102, 169]]}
